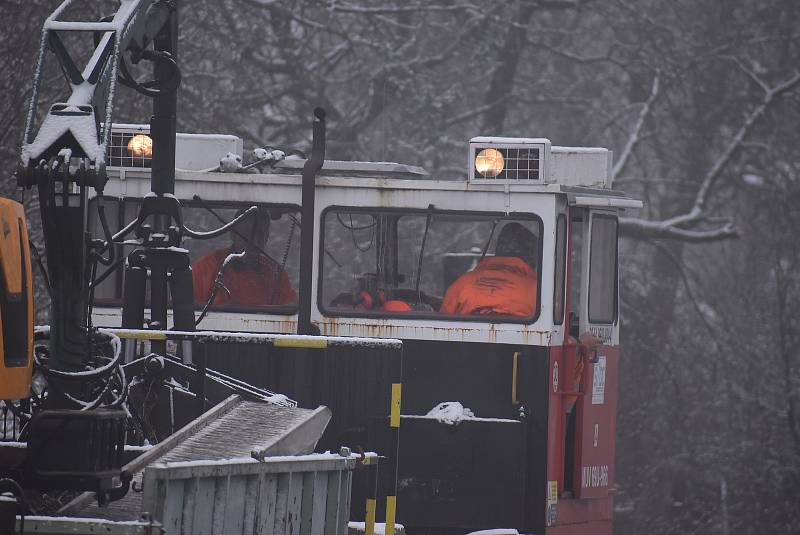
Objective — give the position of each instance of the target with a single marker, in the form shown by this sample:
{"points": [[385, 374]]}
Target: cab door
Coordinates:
{"points": [[599, 277], [598, 315]]}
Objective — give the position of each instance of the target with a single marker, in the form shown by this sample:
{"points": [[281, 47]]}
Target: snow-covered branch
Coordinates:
{"points": [[645, 229], [635, 136], [714, 173], [348, 7], [676, 227]]}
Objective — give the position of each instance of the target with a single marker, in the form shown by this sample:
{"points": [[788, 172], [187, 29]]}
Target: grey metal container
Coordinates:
{"points": [[304, 495]]}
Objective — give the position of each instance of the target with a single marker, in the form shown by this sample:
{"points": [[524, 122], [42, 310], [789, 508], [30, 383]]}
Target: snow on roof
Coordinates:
{"points": [[579, 150], [509, 140], [340, 167]]}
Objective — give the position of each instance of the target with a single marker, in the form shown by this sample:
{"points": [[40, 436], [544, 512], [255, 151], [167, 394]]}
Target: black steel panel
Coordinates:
{"points": [[71, 449], [470, 475], [355, 385]]}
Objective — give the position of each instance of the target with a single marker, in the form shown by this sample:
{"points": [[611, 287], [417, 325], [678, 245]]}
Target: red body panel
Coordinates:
{"points": [[555, 418], [592, 528], [593, 390], [597, 422]]}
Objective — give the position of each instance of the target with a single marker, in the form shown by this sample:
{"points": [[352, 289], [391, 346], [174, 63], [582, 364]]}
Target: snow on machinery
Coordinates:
{"points": [[73, 421], [70, 429], [527, 439]]}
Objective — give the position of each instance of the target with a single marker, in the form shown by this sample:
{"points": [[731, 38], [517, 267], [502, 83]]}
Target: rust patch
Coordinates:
{"points": [[491, 333]]}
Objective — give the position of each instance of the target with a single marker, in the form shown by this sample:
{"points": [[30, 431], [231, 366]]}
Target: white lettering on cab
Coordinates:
{"points": [[594, 476]]}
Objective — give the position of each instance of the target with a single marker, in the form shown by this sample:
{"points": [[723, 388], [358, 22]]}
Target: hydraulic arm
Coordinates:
{"points": [[66, 154], [63, 157]]}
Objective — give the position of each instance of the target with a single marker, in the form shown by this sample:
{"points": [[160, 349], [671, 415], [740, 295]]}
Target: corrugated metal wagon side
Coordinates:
{"points": [[307, 495], [45, 525]]}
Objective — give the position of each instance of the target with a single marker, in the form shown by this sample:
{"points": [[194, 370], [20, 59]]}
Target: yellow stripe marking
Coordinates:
{"points": [[141, 336], [391, 507], [394, 420], [369, 525], [309, 343], [514, 366]]}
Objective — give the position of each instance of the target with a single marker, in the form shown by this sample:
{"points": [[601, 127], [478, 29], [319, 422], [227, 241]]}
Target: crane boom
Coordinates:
{"points": [[74, 124], [65, 155]]}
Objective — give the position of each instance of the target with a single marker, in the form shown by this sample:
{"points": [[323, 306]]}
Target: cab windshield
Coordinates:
{"points": [[430, 263]]}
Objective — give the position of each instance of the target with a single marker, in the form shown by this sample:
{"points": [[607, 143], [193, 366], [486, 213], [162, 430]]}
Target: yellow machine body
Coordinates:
{"points": [[16, 303]]}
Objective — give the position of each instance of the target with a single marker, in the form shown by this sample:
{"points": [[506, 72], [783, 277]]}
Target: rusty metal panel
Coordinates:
{"points": [[235, 504], [308, 503], [293, 504], [268, 492], [319, 504], [281, 495], [332, 511], [173, 506], [344, 502], [45, 525]]}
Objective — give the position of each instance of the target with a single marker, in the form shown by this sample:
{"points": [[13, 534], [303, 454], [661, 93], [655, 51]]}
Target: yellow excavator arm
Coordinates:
{"points": [[16, 303]]}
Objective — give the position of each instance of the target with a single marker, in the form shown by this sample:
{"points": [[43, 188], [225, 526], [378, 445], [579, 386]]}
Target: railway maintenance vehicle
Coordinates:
{"points": [[507, 413]]}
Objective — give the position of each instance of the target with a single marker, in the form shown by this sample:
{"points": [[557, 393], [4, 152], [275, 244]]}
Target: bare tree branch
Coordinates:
{"points": [[393, 9], [671, 228], [714, 173], [749, 72], [635, 136], [644, 229]]}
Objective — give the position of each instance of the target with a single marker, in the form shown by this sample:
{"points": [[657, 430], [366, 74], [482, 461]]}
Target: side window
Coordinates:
{"points": [[266, 278], [603, 270], [351, 255], [576, 271], [560, 271], [438, 264]]}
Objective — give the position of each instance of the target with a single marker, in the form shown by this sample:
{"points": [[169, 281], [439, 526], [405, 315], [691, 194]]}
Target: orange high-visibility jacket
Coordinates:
{"points": [[266, 283], [500, 285]]}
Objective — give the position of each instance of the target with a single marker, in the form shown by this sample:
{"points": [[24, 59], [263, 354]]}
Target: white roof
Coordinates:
{"points": [[507, 140]]}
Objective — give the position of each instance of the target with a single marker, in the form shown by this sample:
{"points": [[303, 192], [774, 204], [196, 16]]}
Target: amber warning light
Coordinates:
{"points": [[141, 146], [489, 163]]}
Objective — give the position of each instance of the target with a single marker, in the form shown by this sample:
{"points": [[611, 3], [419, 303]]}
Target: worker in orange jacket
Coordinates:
{"points": [[253, 278], [504, 284]]}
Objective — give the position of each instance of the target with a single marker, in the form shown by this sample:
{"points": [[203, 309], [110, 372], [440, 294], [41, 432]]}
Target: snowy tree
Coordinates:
{"points": [[698, 99]]}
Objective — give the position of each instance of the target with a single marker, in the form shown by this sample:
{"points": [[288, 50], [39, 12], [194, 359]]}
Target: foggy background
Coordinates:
{"points": [[698, 99]]}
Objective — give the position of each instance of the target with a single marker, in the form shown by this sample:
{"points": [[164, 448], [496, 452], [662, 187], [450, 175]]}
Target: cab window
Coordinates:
{"points": [[560, 269], [432, 263], [603, 270], [265, 278], [576, 262]]}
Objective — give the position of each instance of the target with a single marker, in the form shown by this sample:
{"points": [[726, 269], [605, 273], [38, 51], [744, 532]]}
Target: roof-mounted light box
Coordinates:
{"points": [[536, 161]]}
